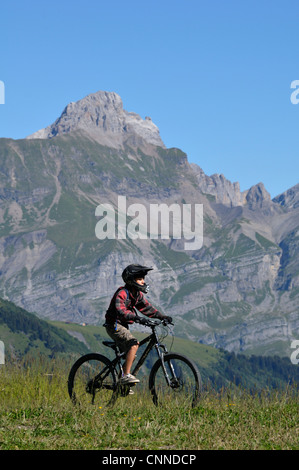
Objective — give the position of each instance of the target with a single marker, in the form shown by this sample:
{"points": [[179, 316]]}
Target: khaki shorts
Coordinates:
{"points": [[122, 336]]}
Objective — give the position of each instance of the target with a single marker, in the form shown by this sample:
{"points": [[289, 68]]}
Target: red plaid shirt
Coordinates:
{"points": [[121, 307]]}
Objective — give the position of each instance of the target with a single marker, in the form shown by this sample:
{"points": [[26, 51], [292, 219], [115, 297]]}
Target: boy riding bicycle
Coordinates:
{"points": [[120, 315]]}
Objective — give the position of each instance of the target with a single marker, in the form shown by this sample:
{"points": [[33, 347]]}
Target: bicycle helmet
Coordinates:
{"points": [[133, 271]]}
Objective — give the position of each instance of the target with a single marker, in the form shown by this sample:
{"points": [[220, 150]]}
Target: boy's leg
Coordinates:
{"points": [[127, 343], [131, 354]]}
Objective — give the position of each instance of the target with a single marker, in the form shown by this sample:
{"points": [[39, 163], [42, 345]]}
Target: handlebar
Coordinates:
{"points": [[148, 322]]}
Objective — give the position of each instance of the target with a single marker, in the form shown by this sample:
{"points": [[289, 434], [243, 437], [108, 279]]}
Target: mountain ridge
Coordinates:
{"points": [[24, 333]]}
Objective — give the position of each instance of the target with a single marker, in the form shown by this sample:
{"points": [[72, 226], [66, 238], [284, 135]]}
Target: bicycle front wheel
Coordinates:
{"points": [[176, 379], [92, 380]]}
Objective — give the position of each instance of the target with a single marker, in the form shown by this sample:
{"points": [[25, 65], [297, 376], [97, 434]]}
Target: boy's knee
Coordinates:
{"points": [[134, 344], [134, 347]]}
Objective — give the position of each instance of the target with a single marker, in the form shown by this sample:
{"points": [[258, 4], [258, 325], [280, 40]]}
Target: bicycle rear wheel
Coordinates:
{"points": [[183, 386], [92, 380]]}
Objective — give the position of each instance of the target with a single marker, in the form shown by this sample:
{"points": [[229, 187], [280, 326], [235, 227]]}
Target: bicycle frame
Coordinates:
{"points": [[152, 341]]}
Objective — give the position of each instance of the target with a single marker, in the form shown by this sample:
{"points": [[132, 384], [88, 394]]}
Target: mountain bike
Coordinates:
{"points": [[94, 378]]}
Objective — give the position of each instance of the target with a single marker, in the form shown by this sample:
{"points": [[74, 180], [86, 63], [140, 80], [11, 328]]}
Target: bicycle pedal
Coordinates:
{"points": [[124, 391]]}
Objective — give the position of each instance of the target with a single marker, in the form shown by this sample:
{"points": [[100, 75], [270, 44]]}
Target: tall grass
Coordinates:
{"points": [[36, 413]]}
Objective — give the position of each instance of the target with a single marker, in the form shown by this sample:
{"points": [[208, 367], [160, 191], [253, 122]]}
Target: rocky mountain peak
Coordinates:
{"points": [[257, 195], [101, 116], [228, 193], [290, 198], [218, 186]]}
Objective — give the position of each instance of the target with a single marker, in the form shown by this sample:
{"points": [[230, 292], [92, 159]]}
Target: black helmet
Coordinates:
{"points": [[135, 270]]}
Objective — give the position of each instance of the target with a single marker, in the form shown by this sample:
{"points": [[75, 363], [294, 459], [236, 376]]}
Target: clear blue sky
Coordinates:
{"points": [[213, 75]]}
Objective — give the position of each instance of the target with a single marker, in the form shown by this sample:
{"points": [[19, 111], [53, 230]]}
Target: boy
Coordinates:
{"points": [[121, 313]]}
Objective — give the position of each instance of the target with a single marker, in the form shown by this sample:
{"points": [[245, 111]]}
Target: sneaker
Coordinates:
{"points": [[128, 379]]}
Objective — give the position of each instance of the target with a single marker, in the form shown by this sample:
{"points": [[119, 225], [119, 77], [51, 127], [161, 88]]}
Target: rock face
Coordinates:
{"points": [[289, 199], [239, 291], [217, 185], [101, 116]]}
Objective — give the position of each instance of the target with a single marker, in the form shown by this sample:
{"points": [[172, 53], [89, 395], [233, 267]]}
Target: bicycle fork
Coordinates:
{"points": [[161, 355]]}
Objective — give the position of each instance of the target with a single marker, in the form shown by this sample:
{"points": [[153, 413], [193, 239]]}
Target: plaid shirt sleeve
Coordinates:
{"points": [[146, 308]]}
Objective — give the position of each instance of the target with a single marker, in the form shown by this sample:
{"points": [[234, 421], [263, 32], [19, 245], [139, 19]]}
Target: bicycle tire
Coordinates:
{"points": [[92, 379], [185, 378]]}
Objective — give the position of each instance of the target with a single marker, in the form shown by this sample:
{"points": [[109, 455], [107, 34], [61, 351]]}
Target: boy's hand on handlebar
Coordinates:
{"points": [[150, 322], [167, 320], [141, 320]]}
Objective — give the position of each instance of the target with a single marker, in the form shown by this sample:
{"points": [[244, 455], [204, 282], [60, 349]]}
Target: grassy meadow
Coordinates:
{"points": [[37, 414]]}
